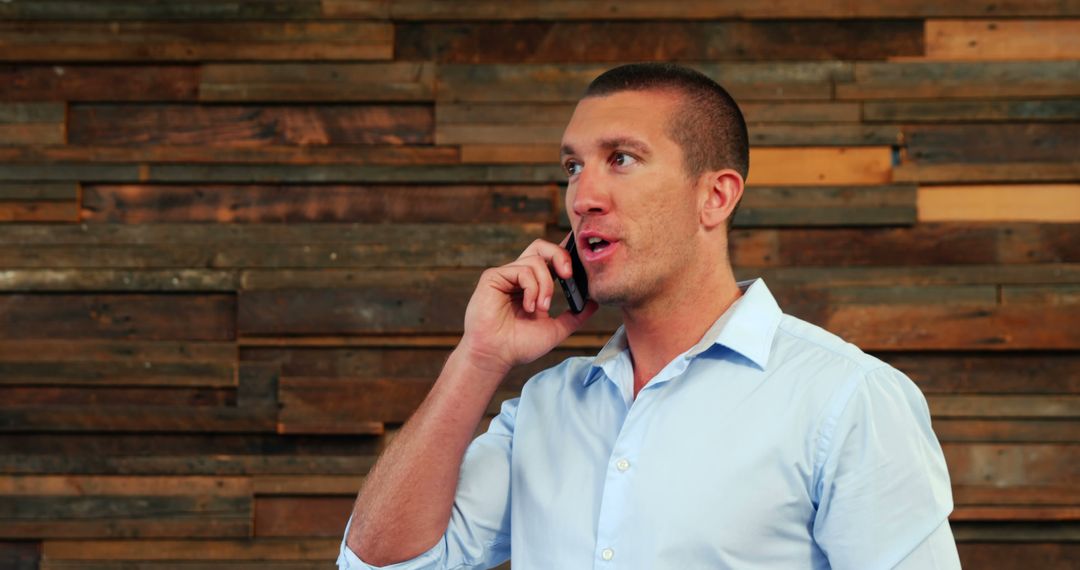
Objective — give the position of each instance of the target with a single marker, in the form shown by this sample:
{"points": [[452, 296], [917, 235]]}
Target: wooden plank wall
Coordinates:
{"points": [[239, 237]]}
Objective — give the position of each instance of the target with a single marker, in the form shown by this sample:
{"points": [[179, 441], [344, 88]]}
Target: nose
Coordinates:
{"points": [[588, 193]]}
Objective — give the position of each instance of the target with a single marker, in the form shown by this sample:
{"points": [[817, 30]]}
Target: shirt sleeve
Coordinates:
{"points": [[478, 535], [881, 484]]}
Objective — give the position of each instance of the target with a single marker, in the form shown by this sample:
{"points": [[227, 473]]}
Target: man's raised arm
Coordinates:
{"points": [[405, 504]]}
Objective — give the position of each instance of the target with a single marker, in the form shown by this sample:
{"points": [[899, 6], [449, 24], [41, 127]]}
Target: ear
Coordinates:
{"points": [[723, 190]]}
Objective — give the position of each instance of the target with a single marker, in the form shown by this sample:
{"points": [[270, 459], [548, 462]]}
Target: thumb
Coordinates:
{"points": [[568, 322]]}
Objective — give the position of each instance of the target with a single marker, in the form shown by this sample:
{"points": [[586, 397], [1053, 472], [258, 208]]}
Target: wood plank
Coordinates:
{"points": [[37, 463], [824, 135], [1012, 556], [1006, 431], [177, 550], [323, 203], [196, 41], [109, 316], [114, 516], [564, 83], [913, 275], [39, 211], [1007, 465], [711, 9], [69, 172], [141, 10], [39, 192], [20, 555], [1002, 39], [80, 486], [189, 565], [306, 485], [582, 42], [232, 125], [275, 174], [35, 83], [1049, 373], [826, 206], [302, 516], [321, 82], [95, 395], [135, 418], [148, 280], [974, 143], [239, 454], [979, 110], [1005, 406], [961, 80], [32, 123], [1015, 532], [1019, 172], [340, 155], [1016, 513], [1040, 495], [111, 373], [1004, 202]]}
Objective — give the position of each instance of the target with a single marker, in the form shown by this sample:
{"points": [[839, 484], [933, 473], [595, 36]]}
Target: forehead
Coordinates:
{"points": [[643, 115]]}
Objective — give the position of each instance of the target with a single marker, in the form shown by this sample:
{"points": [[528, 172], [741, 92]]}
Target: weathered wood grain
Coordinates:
{"points": [[69, 172], [231, 125], [20, 555], [322, 82], [208, 317], [141, 10], [176, 550], [1006, 465], [961, 80], [826, 206], [146, 280], [565, 83], [1000, 431], [38, 211], [1002, 39], [577, 42], [386, 155], [36, 463], [234, 450], [38, 192], [1058, 203], [32, 123], [1057, 406], [96, 395], [1016, 172], [136, 418], [322, 203], [1015, 532], [34, 83], [1047, 373], [302, 516], [201, 41], [975, 143], [125, 516], [268, 173], [928, 111]]}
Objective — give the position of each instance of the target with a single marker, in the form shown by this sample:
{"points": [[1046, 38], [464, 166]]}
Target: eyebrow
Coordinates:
{"points": [[613, 143]]}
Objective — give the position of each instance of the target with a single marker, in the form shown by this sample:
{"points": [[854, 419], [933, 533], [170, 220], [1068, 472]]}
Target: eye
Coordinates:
{"points": [[623, 159], [571, 167]]}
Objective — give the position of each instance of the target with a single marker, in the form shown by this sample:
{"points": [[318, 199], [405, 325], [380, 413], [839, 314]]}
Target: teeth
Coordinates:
{"points": [[594, 240]]}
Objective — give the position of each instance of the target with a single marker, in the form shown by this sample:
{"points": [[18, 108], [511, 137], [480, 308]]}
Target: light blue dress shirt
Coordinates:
{"points": [[771, 443]]}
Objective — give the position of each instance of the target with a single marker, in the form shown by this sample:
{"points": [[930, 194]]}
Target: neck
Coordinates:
{"points": [[669, 325]]}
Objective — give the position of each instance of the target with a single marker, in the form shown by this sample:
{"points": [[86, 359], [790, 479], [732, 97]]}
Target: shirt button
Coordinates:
{"points": [[607, 554], [622, 465]]}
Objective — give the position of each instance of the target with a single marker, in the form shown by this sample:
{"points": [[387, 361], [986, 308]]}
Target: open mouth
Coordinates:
{"points": [[596, 244]]}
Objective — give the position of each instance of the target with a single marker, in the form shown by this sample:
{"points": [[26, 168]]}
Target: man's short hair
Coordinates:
{"points": [[708, 125]]}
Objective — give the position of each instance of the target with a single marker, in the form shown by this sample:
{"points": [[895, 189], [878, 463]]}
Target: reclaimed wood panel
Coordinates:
{"points": [[32, 123], [284, 516], [176, 550], [961, 80], [201, 41], [317, 82], [20, 554], [324, 203], [1028, 202], [971, 111], [161, 10], [38, 211], [138, 418], [384, 155], [31, 396], [1012, 172], [35, 83], [578, 42], [974, 143], [1003, 39], [231, 125], [564, 83], [300, 174], [826, 206], [209, 317], [1041, 372]]}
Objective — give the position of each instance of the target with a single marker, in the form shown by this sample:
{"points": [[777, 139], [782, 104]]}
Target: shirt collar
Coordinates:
{"points": [[746, 327]]}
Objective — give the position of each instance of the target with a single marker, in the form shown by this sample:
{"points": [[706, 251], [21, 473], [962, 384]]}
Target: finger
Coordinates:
{"points": [[526, 279], [544, 281], [552, 255], [568, 322]]}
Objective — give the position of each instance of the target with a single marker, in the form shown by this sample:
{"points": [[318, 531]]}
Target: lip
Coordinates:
{"points": [[587, 254]]}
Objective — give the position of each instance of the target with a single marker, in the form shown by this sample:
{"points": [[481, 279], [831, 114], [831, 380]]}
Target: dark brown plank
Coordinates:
{"points": [[32, 123], [98, 83], [576, 42], [229, 125], [136, 418], [253, 174], [160, 10], [1015, 531], [37, 463], [1023, 556], [20, 555], [148, 280], [326, 82], [1006, 431], [827, 206], [983, 110], [185, 550], [235, 450], [961, 80], [1034, 142], [31, 396], [388, 155], [1011, 406], [39, 192], [302, 516], [69, 172], [105, 316], [990, 373], [988, 172], [195, 41], [1012, 465], [565, 83], [425, 10], [323, 203], [39, 211]]}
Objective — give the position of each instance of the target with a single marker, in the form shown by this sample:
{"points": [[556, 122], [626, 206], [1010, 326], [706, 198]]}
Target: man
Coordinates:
{"points": [[712, 431]]}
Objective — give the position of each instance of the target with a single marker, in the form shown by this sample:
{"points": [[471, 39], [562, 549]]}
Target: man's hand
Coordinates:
{"points": [[507, 321]]}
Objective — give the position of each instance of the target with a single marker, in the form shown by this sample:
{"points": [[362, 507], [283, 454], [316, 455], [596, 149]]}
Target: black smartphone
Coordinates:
{"points": [[577, 287]]}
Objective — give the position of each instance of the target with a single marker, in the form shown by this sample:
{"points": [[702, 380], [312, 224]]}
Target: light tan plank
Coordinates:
{"points": [[1004, 202]]}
